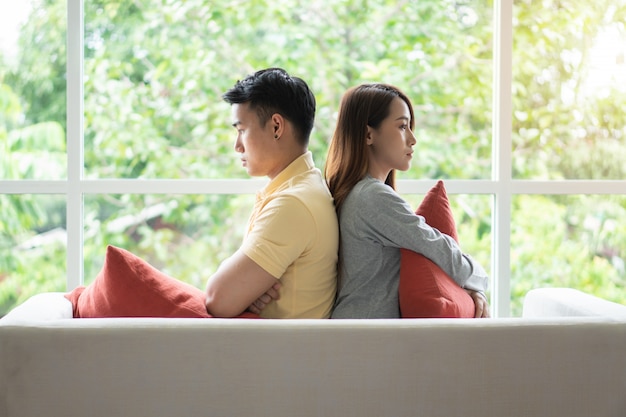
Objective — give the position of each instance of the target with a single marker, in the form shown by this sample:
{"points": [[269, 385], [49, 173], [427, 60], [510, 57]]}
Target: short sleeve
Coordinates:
{"points": [[283, 230]]}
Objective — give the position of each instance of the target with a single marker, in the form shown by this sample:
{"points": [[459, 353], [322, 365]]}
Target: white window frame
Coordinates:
{"points": [[502, 187]]}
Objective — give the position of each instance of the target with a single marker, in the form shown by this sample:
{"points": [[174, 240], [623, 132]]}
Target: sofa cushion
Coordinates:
{"points": [[569, 302], [128, 286], [425, 290], [47, 306]]}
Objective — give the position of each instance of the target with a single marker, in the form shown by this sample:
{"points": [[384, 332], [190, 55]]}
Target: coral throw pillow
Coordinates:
{"points": [[426, 291], [127, 286]]}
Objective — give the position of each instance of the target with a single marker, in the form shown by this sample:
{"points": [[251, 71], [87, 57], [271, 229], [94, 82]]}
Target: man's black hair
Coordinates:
{"points": [[273, 90]]}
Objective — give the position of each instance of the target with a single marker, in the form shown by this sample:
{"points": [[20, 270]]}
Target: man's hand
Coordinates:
{"points": [[272, 294], [480, 303]]}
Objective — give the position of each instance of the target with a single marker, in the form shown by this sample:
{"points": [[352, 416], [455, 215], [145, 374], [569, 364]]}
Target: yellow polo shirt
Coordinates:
{"points": [[293, 234]]}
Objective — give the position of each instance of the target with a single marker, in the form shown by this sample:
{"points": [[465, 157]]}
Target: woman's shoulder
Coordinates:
{"points": [[371, 194], [370, 188], [369, 184]]}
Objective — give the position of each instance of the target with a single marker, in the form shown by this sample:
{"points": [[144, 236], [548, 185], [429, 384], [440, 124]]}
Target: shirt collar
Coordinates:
{"points": [[301, 164]]}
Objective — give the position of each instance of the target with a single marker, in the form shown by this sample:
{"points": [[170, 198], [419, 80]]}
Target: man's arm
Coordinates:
{"points": [[236, 284], [271, 295]]}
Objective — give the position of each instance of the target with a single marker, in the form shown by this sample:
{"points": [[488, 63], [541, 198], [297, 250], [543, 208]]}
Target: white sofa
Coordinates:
{"points": [[565, 357]]}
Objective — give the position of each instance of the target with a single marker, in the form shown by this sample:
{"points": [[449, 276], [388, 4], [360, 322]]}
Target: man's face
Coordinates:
{"points": [[254, 142]]}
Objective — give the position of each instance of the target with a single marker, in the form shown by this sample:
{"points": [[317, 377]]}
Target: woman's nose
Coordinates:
{"points": [[412, 139]]}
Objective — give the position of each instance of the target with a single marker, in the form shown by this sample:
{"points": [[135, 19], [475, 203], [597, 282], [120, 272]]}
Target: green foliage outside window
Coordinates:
{"points": [[153, 78]]}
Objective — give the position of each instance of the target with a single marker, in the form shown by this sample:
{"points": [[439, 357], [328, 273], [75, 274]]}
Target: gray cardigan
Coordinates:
{"points": [[375, 222]]}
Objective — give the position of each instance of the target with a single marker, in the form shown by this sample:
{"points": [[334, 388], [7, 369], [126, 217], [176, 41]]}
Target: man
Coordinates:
{"points": [[292, 238]]}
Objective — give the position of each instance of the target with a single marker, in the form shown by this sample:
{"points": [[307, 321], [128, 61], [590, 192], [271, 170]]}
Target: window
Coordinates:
{"points": [[568, 145], [113, 130]]}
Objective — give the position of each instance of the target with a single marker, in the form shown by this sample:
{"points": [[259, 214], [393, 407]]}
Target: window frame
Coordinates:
{"points": [[501, 187]]}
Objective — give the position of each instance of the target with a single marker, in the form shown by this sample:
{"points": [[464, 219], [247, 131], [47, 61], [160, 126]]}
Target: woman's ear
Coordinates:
{"points": [[369, 138]]}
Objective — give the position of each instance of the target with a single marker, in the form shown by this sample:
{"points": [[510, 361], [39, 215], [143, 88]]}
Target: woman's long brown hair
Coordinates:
{"points": [[347, 161]]}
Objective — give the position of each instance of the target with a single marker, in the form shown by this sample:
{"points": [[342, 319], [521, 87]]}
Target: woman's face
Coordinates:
{"points": [[391, 144]]}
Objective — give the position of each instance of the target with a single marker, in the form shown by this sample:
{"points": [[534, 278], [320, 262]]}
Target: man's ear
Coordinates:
{"points": [[278, 125]]}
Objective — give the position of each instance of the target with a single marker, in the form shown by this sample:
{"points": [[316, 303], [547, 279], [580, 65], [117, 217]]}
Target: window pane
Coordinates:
{"points": [[569, 241], [472, 215], [155, 72], [33, 244], [569, 89], [184, 236], [32, 90]]}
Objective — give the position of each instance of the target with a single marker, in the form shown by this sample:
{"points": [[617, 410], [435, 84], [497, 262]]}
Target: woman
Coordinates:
{"points": [[373, 138]]}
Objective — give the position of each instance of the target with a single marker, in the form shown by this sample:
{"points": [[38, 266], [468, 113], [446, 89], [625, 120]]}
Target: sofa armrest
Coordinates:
{"points": [[568, 302], [40, 307]]}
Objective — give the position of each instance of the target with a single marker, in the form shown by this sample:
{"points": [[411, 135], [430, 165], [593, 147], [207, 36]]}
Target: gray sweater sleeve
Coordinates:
{"points": [[395, 224]]}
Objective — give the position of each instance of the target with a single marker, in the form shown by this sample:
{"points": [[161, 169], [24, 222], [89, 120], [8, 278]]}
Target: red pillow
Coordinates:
{"points": [[426, 291], [127, 286]]}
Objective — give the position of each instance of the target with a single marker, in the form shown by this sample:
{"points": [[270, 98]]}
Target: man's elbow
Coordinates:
{"points": [[217, 307]]}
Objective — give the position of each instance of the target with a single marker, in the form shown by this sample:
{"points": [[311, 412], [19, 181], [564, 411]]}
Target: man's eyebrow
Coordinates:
{"points": [[403, 118]]}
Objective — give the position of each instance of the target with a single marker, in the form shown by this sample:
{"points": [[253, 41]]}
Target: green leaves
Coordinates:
{"points": [[155, 71]]}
